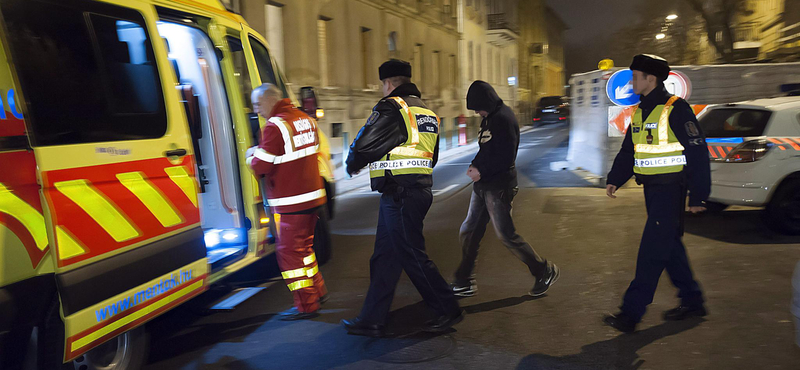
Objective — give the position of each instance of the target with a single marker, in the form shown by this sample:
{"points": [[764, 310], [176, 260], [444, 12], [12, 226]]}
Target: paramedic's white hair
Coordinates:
{"points": [[269, 89]]}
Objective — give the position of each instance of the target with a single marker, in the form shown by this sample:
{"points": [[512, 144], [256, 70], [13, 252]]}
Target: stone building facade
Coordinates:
{"points": [[337, 46]]}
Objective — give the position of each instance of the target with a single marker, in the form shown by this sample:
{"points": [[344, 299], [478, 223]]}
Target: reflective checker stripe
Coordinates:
{"points": [[300, 284], [297, 199]]}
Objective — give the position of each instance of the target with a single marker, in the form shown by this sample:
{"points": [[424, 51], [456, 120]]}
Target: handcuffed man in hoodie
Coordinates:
{"points": [[494, 175]]}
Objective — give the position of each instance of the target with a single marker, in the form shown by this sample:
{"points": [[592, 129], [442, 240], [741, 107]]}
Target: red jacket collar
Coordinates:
{"points": [[282, 106]]}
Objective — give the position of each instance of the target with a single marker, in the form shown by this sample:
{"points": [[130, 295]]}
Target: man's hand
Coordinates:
{"points": [[611, 190], [697, 209], [474, 174], [250, 152]]}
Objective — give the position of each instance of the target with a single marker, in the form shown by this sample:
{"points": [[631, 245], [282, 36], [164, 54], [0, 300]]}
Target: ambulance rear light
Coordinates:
{"points": [[747, 152]]}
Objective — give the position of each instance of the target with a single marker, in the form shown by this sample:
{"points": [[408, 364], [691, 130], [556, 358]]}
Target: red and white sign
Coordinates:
{"points": [[678, 84]]}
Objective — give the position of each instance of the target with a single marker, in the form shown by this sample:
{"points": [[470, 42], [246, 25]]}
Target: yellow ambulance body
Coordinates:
{"points": [[123, 186]]}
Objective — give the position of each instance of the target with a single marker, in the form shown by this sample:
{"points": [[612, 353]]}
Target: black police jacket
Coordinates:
{"points": [[683, 123], [385, 130]]}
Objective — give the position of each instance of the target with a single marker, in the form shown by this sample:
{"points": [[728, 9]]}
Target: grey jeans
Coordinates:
{"points": [[495, 206]]}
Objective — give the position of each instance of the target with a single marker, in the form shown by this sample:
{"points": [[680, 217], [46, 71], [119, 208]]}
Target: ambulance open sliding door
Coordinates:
{"points": [[194, 52], [246, 69], [115, 162]]}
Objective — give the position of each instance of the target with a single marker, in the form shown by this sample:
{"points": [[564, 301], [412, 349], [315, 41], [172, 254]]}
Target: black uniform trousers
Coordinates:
{"points": [[662, 248], [400, 246]]}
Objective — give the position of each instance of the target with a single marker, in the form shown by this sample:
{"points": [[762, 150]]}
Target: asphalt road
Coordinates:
{"points": [[744, 269]]}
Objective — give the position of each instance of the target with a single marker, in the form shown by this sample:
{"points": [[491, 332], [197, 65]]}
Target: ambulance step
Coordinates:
{"points": [[237, 297]]}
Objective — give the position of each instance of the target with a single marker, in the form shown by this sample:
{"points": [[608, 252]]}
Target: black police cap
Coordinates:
{"points": [[394, 68], [651, 64]]}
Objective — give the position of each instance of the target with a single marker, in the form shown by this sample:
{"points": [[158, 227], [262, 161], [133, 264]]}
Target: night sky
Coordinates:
{"points": [[591, 24]]}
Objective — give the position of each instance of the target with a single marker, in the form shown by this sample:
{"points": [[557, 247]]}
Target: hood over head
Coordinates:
{"points": [[481, 96]]}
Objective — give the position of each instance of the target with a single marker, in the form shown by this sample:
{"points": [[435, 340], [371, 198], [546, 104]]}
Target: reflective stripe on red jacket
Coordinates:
{"points": [[287, 157]]}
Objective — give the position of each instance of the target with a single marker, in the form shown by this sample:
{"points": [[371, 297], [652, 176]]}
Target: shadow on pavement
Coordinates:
{"points": [[618, 353], [498, 304], [736, 227], [333, 348], [192, 336]]}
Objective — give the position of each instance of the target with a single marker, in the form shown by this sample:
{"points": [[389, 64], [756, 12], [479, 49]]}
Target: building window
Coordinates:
{"points": [[489, 71], [437, 78], [500, 69], [366, 54], [103, 52], [417, 66], [322, 47], [470, 62], [392, 41], [479, 65], [336, 129], [274, 18], [453, 71]]}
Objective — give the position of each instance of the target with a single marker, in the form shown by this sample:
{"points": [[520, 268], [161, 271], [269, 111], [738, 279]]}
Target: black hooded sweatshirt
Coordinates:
{"points": [[498, 139]]}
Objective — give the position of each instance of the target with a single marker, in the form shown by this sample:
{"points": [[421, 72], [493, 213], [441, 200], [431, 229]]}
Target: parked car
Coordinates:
{"points": [[755, 158], [551, 109]]}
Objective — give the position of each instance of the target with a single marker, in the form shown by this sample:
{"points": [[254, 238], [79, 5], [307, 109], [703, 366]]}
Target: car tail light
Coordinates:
{"points": [[537, 119], [562, 118], [749, 151]]}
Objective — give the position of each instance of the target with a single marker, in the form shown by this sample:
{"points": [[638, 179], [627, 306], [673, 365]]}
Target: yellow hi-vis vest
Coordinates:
{"points": [[415, 156], [661, 152]]}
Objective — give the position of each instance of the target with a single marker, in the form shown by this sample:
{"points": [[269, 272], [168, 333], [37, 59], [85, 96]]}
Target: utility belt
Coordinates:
{"points": [[662, 179], [398, 192]]}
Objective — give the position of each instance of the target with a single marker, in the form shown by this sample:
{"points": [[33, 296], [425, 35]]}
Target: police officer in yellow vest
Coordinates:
{"points": [[400, 143], [665, 149]]}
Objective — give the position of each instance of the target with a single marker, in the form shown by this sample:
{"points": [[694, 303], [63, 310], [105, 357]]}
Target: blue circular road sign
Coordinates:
{"points": [[620, 88]]}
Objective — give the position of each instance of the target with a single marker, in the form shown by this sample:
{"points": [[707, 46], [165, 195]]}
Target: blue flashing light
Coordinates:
{"points": [[729, 140]]}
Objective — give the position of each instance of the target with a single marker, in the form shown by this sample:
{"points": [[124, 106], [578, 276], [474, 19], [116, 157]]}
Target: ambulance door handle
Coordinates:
{"points": [[175, 153]]}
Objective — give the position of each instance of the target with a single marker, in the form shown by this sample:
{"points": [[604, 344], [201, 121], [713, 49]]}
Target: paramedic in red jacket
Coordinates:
{"points": [[287, 160]]}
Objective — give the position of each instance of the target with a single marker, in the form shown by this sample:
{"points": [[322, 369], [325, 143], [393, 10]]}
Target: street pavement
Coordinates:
{"points": [[744, 269]]}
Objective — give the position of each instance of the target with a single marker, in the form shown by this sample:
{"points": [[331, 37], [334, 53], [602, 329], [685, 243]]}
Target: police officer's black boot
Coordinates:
{"points": [[684, 312], [359, 327], [621, 322], [444, 322]]}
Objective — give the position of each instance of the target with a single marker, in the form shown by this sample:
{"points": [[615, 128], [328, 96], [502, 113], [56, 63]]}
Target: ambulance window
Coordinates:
{"points": [[88, 71], [264, 64], [241, 71]]}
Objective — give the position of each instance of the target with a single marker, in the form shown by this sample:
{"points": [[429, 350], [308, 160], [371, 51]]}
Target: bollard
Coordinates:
{"points": [[462, 130]]}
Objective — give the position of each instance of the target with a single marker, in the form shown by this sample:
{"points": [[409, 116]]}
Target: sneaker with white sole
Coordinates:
{"points": [[545, 282], [464, 290]]}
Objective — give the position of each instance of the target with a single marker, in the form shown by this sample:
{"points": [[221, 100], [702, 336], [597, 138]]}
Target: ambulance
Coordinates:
{"points": [[124, 190]]}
